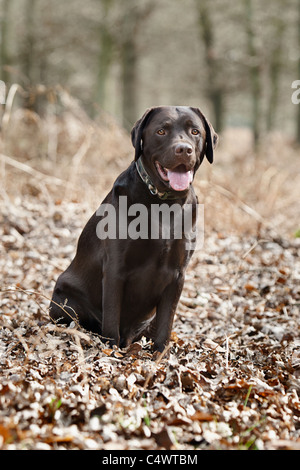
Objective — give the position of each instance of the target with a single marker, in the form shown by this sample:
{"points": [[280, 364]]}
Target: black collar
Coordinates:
{"points": [[148, 182]]}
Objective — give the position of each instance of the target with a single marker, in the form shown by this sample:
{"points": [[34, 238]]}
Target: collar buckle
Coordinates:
{"points": [[147, 180]]}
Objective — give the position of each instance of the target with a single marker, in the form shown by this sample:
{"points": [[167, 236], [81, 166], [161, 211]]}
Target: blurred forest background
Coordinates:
{"points": [[236, 60]]}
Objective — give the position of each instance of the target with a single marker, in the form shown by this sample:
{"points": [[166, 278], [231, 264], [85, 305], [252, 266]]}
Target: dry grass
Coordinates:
{"points": [[71, 157]]}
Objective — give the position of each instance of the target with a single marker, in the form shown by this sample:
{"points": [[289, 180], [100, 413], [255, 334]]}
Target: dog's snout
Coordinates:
{"points": [[183, 148]]}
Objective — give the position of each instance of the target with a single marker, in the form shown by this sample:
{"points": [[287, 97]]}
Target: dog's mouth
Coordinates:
{"points": [[179, 178]]}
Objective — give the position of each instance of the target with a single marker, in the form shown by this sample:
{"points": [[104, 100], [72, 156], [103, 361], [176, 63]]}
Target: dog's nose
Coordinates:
{"points": [[183, 148]]}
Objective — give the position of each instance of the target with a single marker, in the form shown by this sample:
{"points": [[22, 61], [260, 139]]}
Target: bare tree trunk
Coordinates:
{"points": [[29, 64], [129, 82], [254, 72], [133, 19], [214, 91], [105, 56], [275, 69], [129, 60], [4, 50]]}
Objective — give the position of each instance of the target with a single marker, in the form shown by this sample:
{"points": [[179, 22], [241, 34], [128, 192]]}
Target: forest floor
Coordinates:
{"points": [[231, 376]]}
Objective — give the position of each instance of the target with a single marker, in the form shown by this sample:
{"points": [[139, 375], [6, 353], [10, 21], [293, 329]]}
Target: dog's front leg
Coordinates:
{"points": [[112, 289], [165, 313]]}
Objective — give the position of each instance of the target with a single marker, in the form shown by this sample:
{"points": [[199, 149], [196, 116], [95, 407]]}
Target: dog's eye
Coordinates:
{"points": [[195, 132], [161, 132]]}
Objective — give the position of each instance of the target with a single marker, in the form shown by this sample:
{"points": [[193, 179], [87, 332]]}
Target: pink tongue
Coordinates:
{"points": [[180, 180]]}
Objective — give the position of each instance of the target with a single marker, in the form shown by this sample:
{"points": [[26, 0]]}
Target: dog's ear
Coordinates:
{"points": [[137, 132], [211, 136], [212, 139]]}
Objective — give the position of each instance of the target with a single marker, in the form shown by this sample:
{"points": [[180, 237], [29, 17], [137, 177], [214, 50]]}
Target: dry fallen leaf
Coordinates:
{"points": [[201, 416], [107, 351]]}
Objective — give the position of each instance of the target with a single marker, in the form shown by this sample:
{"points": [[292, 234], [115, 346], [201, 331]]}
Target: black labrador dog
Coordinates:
{"points": [[127, 276]]}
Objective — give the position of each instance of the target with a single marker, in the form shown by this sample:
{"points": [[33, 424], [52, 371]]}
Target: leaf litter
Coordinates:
{"points": [[229, 380]]}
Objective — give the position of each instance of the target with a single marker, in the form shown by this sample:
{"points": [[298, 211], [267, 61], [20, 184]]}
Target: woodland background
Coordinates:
{"points": [[236, 60], [77, 75]]}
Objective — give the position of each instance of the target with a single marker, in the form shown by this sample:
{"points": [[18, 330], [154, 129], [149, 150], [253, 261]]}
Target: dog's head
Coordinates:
{"points": [[173, 141]]}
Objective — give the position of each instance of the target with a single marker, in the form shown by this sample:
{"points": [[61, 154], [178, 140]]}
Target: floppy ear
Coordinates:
{"points": [[211, 140], [137, 132], [211, 136]]}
